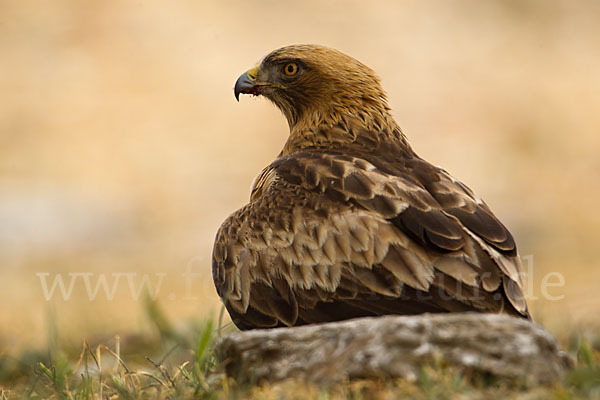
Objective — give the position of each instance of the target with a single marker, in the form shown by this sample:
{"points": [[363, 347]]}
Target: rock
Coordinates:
{"points": [[395, 347]]}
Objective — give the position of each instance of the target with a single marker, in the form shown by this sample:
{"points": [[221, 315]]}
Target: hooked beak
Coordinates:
{"points": [[247, 83]]}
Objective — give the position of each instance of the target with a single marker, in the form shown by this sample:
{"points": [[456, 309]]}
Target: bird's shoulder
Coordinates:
{"points": [[388, 182]]}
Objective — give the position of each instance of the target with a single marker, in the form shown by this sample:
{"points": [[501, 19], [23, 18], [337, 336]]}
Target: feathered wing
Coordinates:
{"points": [[328, 237]]}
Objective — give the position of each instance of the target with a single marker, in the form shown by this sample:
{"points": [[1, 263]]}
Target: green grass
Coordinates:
{"points": [[180, 364]]}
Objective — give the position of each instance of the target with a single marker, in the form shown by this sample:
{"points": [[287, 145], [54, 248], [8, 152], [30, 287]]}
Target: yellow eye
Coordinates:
{"points": [[290, 69]]}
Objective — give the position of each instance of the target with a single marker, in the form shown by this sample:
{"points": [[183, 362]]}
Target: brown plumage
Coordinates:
{"points": [[348, 221]]}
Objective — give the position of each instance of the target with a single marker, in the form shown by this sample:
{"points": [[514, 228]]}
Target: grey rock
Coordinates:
{"points": [[395, 347]]}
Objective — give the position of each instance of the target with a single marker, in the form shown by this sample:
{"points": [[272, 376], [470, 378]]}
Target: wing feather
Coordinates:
{"points": [[330, 229]]}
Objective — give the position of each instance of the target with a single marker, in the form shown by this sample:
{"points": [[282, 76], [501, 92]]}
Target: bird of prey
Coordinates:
{"points": [[349, 221]]}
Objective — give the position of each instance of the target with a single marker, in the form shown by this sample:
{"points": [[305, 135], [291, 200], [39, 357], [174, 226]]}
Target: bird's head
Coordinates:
{"points": [[312, 83]]}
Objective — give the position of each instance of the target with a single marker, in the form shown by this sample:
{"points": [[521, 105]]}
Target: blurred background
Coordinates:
{"points": [[122, 148]]}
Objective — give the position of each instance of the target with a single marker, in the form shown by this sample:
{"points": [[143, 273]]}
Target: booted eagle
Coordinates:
{"points": [[349, 221]]}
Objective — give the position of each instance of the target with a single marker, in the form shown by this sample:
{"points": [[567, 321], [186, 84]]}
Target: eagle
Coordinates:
{"points": [[348, 221]]}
